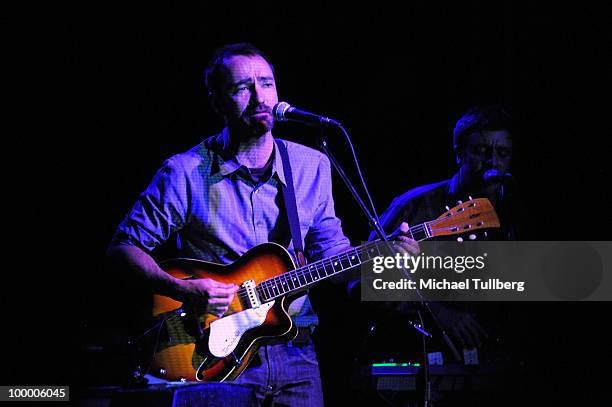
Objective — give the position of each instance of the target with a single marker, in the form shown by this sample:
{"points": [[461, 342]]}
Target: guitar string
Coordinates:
{"points": [[289, 278], [301, 271], [308, 270], [272, 284], [321, 265]]}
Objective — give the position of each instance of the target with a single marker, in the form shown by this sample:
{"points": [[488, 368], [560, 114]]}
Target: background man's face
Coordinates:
{"points": [[483, 151], [249, 94]]}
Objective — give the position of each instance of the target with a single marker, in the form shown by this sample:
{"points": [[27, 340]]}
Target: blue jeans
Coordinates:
{"points": [[287, 376]]}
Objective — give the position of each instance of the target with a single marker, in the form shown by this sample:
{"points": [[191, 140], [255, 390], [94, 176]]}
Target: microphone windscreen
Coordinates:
{"points": [[279, 110]]}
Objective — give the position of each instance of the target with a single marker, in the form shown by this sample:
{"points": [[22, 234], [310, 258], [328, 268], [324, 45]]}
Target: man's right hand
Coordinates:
{"points": [[205, 294], [208, 295]]}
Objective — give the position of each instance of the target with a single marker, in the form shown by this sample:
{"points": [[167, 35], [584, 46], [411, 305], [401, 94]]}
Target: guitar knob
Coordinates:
{"points": [[460, 239], [472, 237], [485, 233]]}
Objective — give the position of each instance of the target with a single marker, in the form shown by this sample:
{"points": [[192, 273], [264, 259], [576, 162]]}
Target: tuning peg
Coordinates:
{"points": [[460, 239], [470, 197], [472, 237], [485, 233], [447, 208], [459, 202]]}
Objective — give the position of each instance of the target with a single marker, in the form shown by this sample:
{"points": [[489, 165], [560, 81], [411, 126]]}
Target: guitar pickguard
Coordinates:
{"points": [[226, 332]]}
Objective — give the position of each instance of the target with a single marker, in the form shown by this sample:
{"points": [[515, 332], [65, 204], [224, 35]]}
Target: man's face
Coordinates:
{"points": [[249, 94], [483, 151]]}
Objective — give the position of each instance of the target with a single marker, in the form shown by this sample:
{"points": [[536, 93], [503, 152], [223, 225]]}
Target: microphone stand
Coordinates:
{"points": [[505, 208], [375, 225]]}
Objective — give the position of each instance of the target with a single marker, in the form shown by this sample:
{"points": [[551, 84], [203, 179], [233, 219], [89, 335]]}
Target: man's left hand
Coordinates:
{"points": [[404, 243]]}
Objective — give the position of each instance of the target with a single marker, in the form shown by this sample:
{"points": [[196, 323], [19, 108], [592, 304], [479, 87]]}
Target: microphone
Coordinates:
{"points": [[496, 176], [283, 112]]}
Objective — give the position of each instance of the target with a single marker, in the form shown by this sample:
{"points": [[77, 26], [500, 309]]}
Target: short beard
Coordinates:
{"points": [[258, 129], [249, 130]]}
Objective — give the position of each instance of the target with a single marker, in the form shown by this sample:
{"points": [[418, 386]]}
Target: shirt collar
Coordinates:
{"points": [[227, 163]]}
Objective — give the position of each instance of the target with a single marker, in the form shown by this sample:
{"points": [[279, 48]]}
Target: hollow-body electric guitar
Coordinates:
{"points": [[195, 347]]}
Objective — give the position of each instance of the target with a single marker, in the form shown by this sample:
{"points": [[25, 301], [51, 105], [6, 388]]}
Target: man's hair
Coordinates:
{"points": [[214, 72], [480, 118]]}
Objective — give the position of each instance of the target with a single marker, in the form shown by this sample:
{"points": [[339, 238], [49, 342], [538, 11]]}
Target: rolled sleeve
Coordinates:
{"points": [[161, 209]]}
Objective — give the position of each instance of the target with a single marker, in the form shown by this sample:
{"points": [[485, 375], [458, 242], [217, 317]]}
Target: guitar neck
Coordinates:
{"points": [[303, 277]]}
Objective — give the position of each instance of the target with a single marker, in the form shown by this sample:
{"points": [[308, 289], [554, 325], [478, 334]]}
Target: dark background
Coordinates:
{"points": [[118, 88]]}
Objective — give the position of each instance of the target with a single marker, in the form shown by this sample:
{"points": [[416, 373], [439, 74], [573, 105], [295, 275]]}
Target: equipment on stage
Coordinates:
{"points": [[398, 364]]}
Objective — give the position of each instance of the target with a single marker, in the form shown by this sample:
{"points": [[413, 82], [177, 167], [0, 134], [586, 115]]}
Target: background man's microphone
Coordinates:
{"points": [[283, 112], [496, 176]]}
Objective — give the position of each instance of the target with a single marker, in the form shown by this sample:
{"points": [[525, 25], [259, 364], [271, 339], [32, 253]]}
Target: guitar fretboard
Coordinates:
{"points": [[310, 274]]}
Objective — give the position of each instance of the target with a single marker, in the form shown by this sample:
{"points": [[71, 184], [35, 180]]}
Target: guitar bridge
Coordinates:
{"points": [[251, 294]]}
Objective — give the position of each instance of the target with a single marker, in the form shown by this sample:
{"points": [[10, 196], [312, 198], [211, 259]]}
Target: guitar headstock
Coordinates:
{"points": [[466, 217]]}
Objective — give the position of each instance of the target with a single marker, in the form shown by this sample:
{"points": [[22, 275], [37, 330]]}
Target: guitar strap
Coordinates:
{"points": [[291, 206]]}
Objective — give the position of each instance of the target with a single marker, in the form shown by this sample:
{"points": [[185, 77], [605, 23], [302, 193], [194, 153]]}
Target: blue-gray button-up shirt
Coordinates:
{"points": [[219, 214]]}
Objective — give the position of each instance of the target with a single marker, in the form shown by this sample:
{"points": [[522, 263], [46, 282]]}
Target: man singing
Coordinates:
{"points": [[223, 197]]}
